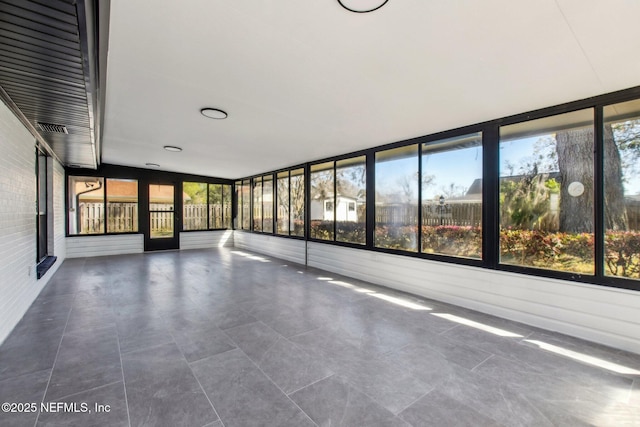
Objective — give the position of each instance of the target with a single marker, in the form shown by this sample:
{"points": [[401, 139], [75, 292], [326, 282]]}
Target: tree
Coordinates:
{"points": [[574, 149]]}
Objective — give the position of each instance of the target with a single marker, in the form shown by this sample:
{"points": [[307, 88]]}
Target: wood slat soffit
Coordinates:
{"points": [[48, 74]]}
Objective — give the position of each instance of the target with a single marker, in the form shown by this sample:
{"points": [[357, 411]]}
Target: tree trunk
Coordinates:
{"points": [[575, 150], [575, 160], [615, 212]]}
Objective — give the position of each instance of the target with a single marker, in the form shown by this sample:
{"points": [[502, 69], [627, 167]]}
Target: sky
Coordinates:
{"points": [[462, 167]]}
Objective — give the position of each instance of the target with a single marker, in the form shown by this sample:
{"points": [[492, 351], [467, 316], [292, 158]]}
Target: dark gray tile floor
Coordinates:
{"points": [[227, 338]]}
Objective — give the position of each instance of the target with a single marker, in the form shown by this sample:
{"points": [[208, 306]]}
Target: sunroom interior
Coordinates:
{"points": [[482, 155]]}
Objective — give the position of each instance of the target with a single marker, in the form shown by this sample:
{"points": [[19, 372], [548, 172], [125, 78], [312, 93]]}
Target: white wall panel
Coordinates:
{"points": [[289, 249], [206, 239], [18, 231], [605, 315], [90, 246]]}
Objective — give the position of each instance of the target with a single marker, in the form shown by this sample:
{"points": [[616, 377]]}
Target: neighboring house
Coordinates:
{"points": [[346, 208]]}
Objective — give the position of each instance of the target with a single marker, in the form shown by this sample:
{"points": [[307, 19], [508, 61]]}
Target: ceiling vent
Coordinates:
{"points": [[52, 128]]}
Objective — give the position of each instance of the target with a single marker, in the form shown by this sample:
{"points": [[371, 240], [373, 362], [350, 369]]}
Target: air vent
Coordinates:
{"points": [[52, 128]]}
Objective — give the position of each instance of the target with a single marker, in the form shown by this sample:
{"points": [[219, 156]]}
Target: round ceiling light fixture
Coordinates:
{"points": [[362, 6], [214, 113], [172, 148], [152, 165]]}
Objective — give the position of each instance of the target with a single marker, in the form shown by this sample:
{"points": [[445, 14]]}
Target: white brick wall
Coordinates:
{"points": [[18, 233], [59, 247]]}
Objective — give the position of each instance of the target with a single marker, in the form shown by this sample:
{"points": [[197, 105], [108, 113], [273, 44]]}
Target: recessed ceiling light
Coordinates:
{"points": [[213, 113], [362, 6], [172, 148], [152, 165]]}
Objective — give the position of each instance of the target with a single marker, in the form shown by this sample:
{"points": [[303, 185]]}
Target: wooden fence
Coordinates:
{"points": [[123, 217], [433, 214], [194, 217]]}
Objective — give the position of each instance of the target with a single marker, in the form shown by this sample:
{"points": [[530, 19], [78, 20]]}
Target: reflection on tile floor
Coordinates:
{"points": [[224, 337]]}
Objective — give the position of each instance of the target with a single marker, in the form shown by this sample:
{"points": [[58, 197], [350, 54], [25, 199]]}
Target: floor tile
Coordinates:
{"points": [[259, 341], [290, 367], [102, 406], [86, 360], [162, 391], [28, 388], [334, 402], [254, 339], [201, 342], [437, 409], [243, 395]]}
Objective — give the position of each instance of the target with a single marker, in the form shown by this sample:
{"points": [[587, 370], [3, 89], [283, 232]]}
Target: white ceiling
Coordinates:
{"points": [[304, 80]]}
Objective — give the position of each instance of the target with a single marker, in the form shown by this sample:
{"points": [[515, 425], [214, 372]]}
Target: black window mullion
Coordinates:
{"points": [[104, 204], [307, 201], [208, 213], [370, 198], [290, 205], [335, 201], [419, 197], [491, 196], [598, 177]]}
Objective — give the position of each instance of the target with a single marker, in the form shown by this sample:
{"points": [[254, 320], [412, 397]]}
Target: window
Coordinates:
{"points": [[547, 193], [246, 204], [351, 200], [267, 203], [290, 203], [452, 196], [396, 209], [321, 203], [328, 208], [86, 205], [238, 219], [194, 206], [283, 208], [206, 206], [122, 205], [41, 201], [297, 202], [622, 189], [215, 206], [227, 206], [257, 204]]}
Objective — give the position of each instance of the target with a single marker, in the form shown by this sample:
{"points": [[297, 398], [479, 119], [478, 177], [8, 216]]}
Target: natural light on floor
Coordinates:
{"points": [[253, 257], [610, 366], [394, 300], [481, 326]]}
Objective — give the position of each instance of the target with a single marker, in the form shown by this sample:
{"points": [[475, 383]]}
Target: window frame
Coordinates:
{"points": [[490, 131], [108, 171]]}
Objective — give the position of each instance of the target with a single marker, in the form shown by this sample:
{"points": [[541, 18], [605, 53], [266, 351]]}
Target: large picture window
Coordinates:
{"points": [[122, 205], [290, 203], [205, 207], [283, 210], [267, 203], [553, 193], [321, 203], [547, 193], [396, 210], [622, 189], [257, 203], [452, 196], [246, 204], [194, 206], [86, 205], [351, 200], [297, 203]]}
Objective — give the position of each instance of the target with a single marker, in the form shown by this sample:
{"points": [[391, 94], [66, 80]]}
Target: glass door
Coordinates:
{"points": [[162, 228]]}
